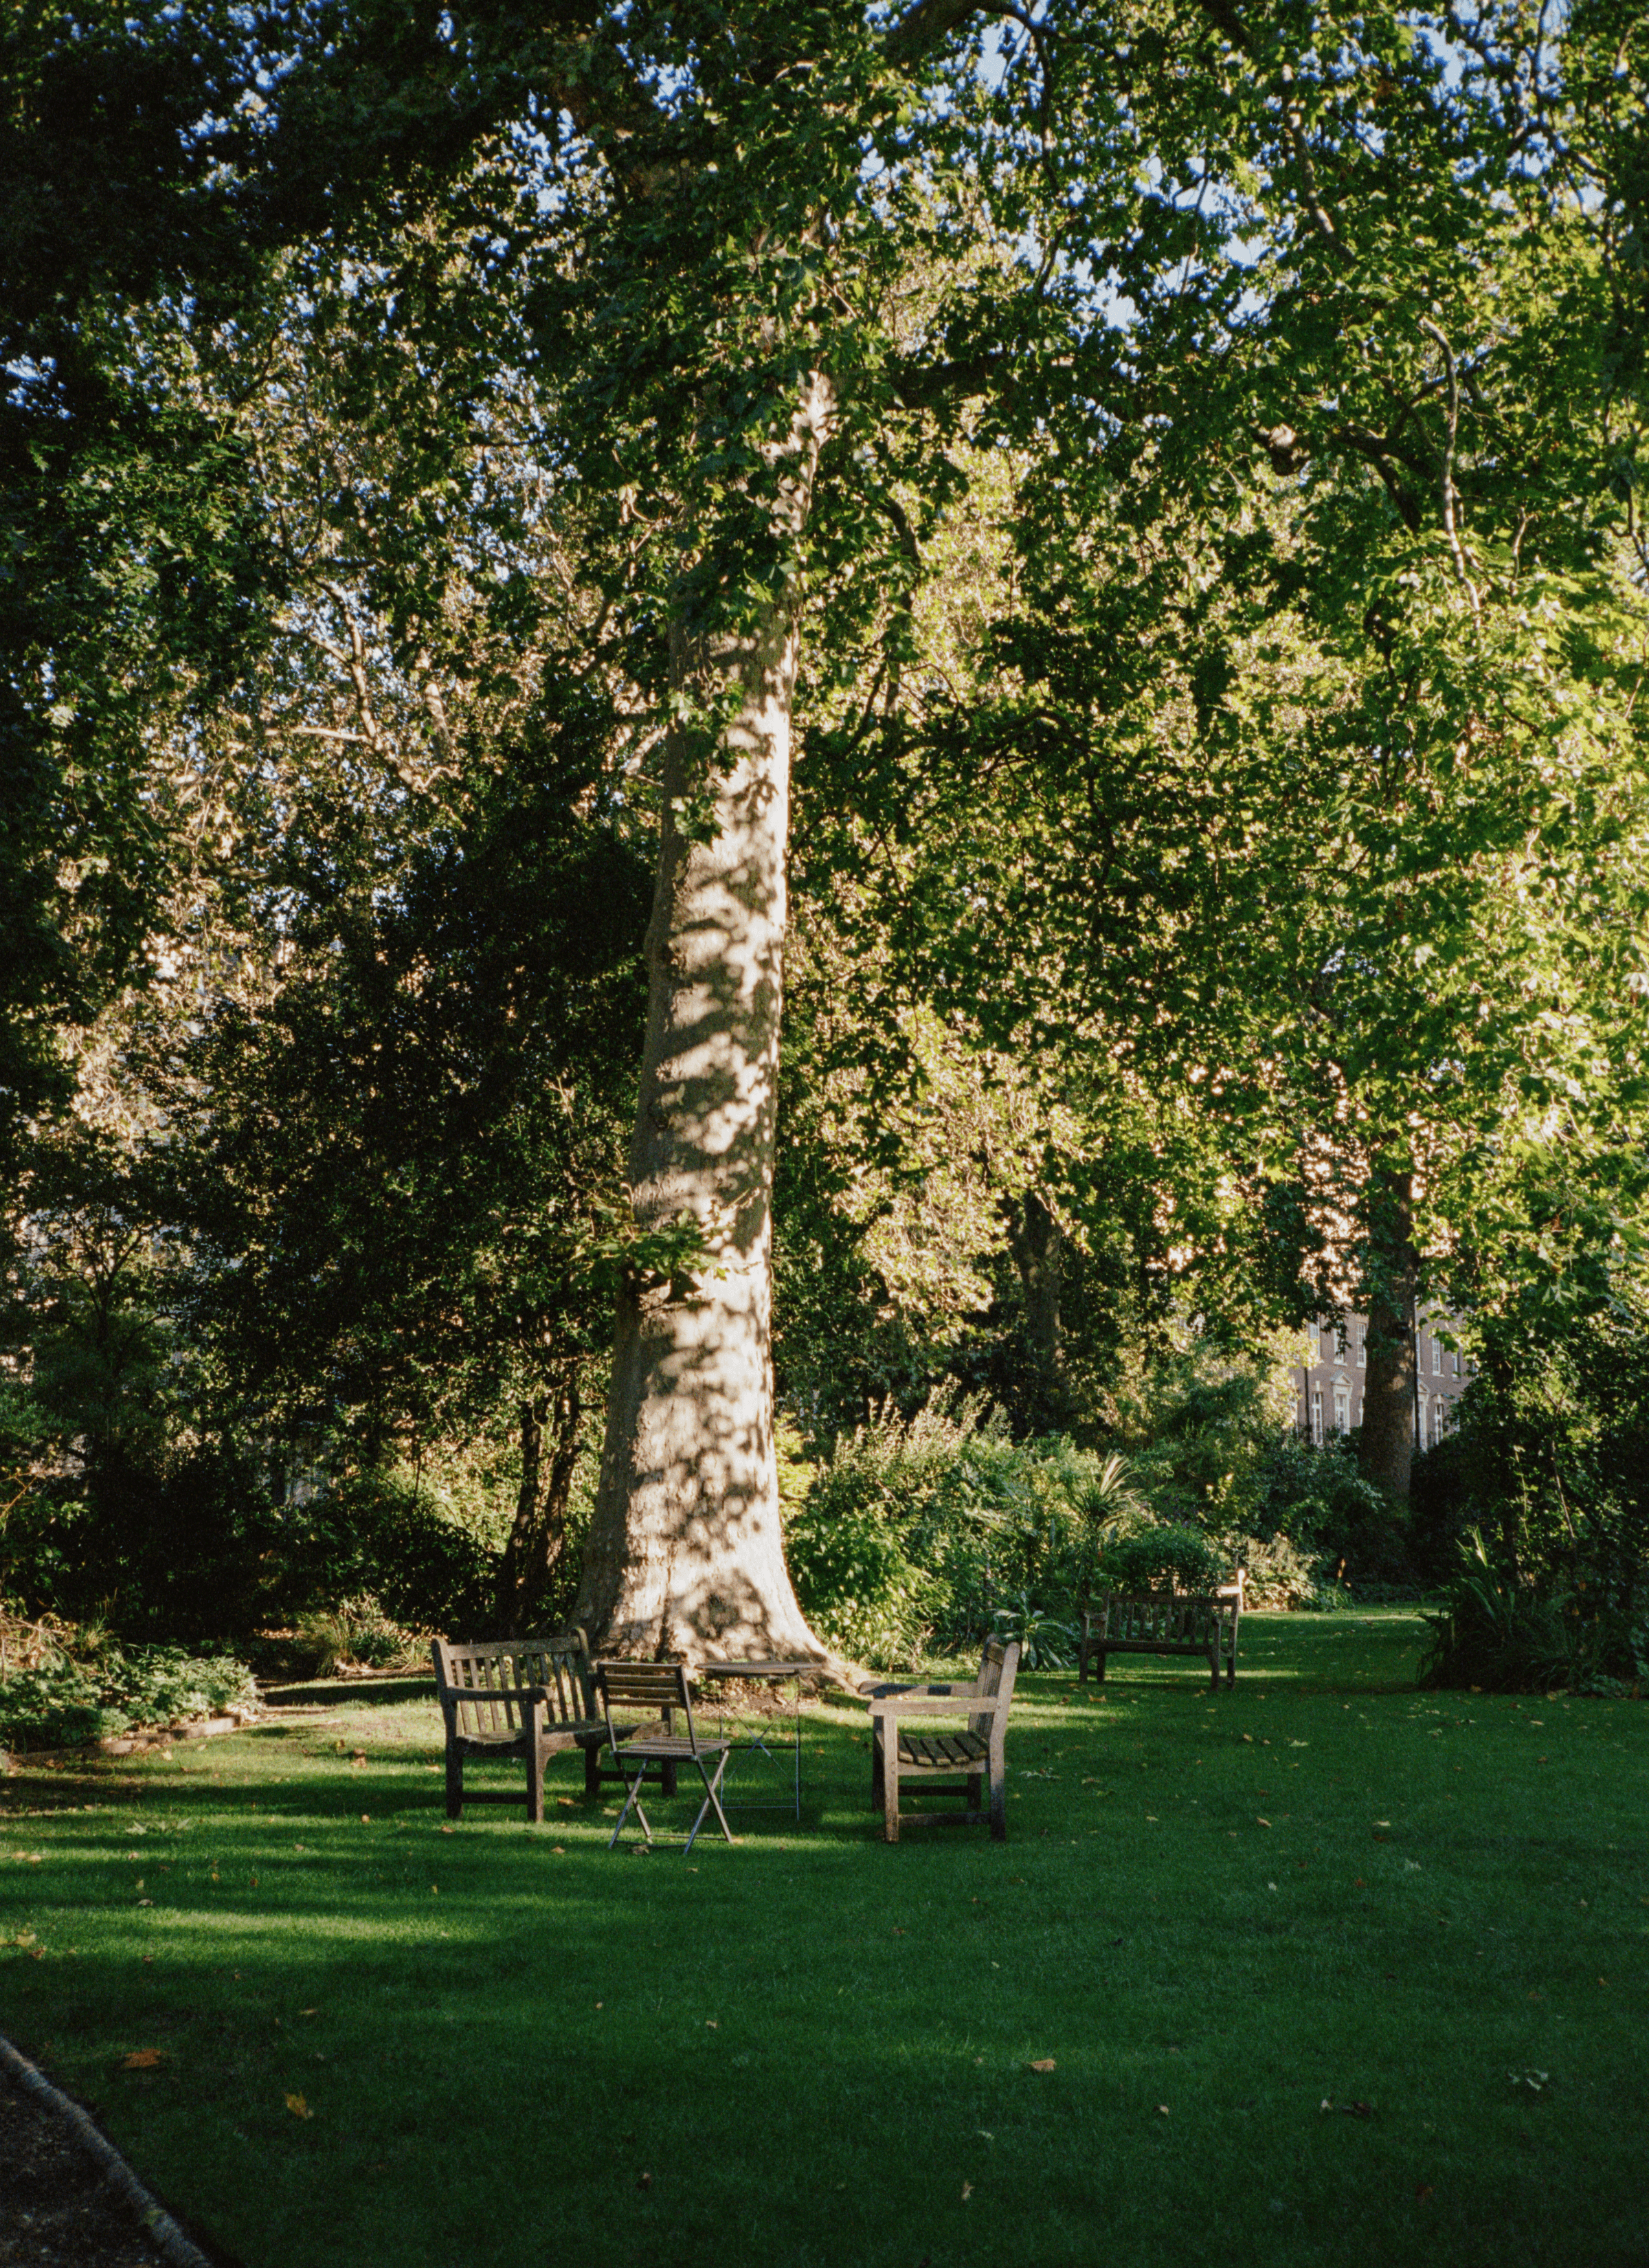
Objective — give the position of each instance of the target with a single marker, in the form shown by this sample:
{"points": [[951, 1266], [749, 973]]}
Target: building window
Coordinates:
{"points": [[1362, 1350], [1436, 1356], [1439, 1418], [1419, 1422], [1339, 1342], [1457, 1365], [1341, 1408], [1310, 1344], [1316, 1413]]}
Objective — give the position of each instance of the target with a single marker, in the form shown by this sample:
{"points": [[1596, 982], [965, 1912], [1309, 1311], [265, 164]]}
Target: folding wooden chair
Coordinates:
{"points": [[659, 1689]]}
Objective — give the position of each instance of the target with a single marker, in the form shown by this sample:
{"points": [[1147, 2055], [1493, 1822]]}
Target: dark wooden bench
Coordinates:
{"points": [[1164, 1621], [949, 1763], [532, 1699]]}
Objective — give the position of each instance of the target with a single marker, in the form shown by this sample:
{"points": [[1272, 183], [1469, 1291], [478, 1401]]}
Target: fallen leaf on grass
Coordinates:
{"points": [[1043, 2063], [141, 2059], [298, 2107], [712, 2023], [643, 2180], [1162, 2110], [968, 2191], [1535, 2079], [1261, 1822], [1423, 2189]]}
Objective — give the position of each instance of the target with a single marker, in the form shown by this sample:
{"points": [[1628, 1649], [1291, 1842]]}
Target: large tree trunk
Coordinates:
{"points": [[684, 1552], [1385, 1441]]}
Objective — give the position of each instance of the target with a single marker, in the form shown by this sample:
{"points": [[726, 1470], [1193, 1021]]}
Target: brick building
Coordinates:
{"points": [[1329, 1391]]}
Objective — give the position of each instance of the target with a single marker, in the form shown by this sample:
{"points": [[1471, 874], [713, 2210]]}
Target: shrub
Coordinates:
{"points": [[1278, 1574], [65, 1701], [377, 1535], [1166, 1555], [1044, 1642], [1317, 1496], [358, 1632], [921, 1529], [1509, 1635]]}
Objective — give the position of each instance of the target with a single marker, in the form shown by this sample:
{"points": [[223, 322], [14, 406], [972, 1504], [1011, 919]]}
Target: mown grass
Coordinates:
{"points": [[1213, 1916]]}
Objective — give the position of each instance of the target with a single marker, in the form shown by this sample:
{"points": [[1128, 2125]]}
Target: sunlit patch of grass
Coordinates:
{"points": [[1211, 1916]]}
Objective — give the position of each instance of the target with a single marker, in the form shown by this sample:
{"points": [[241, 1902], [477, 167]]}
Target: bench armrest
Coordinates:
{"points": [[925, 1703], [880, 1692]]}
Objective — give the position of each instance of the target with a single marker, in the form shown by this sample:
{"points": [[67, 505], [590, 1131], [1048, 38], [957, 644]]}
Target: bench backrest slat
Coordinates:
{"points": [[478, 1682], [650, 1688]]}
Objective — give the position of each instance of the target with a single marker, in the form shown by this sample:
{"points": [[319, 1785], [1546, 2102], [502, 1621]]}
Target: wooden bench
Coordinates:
{"points": [[951, 1763], [1164, 1621], [534, 1698]]}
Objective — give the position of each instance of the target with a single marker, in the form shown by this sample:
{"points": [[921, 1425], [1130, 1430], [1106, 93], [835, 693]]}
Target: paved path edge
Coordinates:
{"points": [[162, 2231]]}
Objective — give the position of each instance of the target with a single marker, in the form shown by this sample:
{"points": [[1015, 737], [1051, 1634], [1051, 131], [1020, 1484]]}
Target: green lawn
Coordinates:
{"points": [[503, 2044]]}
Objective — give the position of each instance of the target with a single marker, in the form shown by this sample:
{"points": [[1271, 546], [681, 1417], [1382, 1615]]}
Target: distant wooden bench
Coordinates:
{"points": [[1163, 1621], [532, 1699]]}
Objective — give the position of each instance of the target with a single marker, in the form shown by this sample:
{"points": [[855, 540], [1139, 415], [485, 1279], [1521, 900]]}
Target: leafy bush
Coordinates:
{"points": [[1198, 1425], [1044, 1642], [357, 1631], [920, 1529], [1509, 1634], [1278, 1574], [1317, 1496], [64, 1702], [1166, 1555], [858, 1587], [377, 1535]]}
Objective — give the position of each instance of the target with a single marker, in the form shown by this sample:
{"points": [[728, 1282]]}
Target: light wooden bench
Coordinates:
{"points": [[532, 1699], [1164, 1621], [953, 1762]]}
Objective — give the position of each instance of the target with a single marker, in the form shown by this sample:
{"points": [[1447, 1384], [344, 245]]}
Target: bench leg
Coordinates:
{"points": [[1000, 1805], [592, 1769], [1099, 1656], [1213, 1667], [535, 1787], [454, 1783], [975, 1793], [890, 1800], [876, 1773]]}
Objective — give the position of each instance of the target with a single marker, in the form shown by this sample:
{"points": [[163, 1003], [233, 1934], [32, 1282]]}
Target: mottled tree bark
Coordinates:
{"points": [[685, 1551], [1386, 1440]]}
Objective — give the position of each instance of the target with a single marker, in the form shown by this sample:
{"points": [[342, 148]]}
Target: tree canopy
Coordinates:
{"points": [[1119, 527]]}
